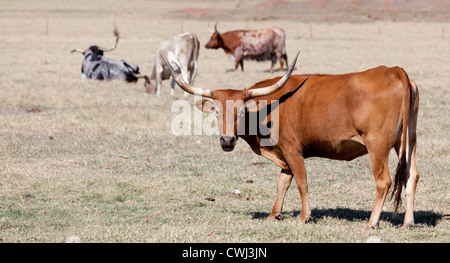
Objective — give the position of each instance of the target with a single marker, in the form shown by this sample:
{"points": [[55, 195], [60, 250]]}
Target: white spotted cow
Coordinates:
{"points": [[261, 44]]}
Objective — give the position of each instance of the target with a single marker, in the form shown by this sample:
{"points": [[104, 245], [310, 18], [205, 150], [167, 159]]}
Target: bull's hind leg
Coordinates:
{"points": [[284, 181], [411, 183], [379, 155]]}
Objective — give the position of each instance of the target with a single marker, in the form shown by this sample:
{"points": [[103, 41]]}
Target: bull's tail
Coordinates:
{"points": [[284, 53], [285, 57], [196, 46], [400, 176], [194, 59]]}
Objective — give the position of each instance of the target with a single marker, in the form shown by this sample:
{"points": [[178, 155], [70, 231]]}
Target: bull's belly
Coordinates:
{"points": [[347, 149], [257, 56], [240, 54]]}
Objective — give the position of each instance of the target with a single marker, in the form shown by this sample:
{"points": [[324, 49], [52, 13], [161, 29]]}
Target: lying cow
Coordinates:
{"points": [[338, 117], [182, 51], [261, 44], [96, 66]]}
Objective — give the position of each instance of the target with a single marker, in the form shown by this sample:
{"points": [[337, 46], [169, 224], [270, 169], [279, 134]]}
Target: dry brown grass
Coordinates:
{"points": [[99, 161]]}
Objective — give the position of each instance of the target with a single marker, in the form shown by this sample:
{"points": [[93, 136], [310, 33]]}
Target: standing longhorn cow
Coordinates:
{"points": [[261, 44], [338, 117], [182, 51], [96, 66]]}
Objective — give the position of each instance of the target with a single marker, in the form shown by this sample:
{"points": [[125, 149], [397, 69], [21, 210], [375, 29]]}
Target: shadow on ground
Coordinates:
{"points": [[427, 218]]}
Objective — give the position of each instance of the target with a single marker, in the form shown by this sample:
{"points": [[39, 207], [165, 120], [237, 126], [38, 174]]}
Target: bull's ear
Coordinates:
{"points": [[205, 105]]}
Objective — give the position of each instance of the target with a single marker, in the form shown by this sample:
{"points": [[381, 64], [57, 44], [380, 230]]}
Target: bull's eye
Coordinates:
{"points": [[217, 113]]}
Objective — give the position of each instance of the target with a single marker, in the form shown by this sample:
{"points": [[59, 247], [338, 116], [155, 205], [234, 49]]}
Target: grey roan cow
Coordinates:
{"points": [[96, 66]]}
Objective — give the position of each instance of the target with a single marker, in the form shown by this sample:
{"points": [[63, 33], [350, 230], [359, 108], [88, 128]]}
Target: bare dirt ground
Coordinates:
{"points": [[98, 160]]}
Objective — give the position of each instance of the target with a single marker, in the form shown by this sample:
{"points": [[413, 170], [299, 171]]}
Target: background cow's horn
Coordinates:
{"points": [[271, 89], [184, 86], [112, 48], [215, 28], [77, 50], [140, 76], [210, 29]]}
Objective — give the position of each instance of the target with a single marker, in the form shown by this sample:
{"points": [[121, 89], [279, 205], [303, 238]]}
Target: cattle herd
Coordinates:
{"points": [[339, 117], [182, 51]]}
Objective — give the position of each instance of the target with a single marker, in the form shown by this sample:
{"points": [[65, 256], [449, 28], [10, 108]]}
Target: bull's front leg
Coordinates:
{"points": [[238, 62], [297, 166], [284, 181], [273, 58], [158, 80]]}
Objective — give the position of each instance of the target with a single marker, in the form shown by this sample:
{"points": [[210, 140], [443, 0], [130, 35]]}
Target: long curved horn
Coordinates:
{"points": [[147, 87], [184, 86], [77, 50], [271, 89], [210, 30], [112, 48], [139, 76], [215, 29]]}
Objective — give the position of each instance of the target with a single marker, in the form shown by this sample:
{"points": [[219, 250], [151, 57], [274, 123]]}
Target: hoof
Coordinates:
{"points": [[306, 220], [274, 217], [408, 225], [305, 217], [371, 226]]}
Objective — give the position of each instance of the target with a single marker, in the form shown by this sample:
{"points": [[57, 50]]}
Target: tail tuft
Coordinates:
{"points": [[400, 177], [399, 183]]}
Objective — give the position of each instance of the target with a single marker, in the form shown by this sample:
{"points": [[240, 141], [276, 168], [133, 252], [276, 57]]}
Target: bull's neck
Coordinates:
{"points": [[222, 40], [225, 48]]}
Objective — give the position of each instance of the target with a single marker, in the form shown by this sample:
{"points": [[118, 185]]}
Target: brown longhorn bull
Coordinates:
{"points": [[332, 116]]}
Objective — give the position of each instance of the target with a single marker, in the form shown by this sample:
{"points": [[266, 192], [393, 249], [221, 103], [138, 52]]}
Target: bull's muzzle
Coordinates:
{"points": [[227, 143]]}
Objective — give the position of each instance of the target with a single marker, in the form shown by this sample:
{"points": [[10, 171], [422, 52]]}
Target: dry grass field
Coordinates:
{"points": [[98, 160]]}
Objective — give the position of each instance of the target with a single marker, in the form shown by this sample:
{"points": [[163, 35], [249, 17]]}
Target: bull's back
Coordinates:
{"points": [[338, 112], [180, 45], [182, 49], [330, 115], [259, 43], [104, 69]]}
